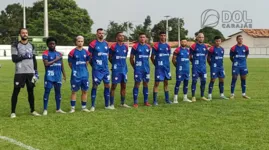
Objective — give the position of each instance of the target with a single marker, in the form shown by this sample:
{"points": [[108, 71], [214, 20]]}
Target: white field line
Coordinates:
{"points": [[20, 144]]}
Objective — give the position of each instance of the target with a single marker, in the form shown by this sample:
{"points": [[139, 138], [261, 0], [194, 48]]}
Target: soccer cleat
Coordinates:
{"points": [[112, 107], [232, 96], [205, 99], [45, 113], [109, 108], [60, 111], [168, 102], [175, 99], [92, 109], [34, 113], [85, 110], [186, 100], [125, 106], [246, 97], [72, 110], [135, 105], [193, 99], [13, 115], [210, 97], [224, 97], [155, 103], [147, 104]]}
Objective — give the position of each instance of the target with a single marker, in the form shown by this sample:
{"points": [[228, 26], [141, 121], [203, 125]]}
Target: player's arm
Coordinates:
{"points": [[247, 52], [232, 55], [191, 55], [48, 63], [63, 71], [132, 58], [70, 60], [110, 55], [210, 52], [174, 58], [14, 51]]}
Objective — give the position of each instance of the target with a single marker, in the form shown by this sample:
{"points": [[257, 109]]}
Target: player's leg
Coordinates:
{"points": [[31, 99], [243, 74], [155, 92], [166, 92], [48, 85], [185, 90], [221, 88], [96, 80], [203, 77], [145, 93], [210, 88], [106, 80], [19, 83], [235, 72], [75, 86], [58, 97], [193, 84], [135, 93], [84, 95], [112, 93], [123, 93], [176, 90]]}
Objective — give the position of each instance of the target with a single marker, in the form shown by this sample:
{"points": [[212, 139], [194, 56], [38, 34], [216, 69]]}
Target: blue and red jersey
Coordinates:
{"points": [[119, 55], [199, 54], [162, 52], [216, 56], [141, 53], [99, 52], [239, 54], [183, 61], [53, 73], [79, 59]]}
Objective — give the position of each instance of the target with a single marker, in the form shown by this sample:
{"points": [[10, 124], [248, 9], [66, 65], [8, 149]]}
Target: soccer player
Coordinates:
{"points": [[117, 56], [139, 60], [182, 64], [78, 60], [100, 71], [215, 61], [160, 58], [54, 69], [198, 54], [238, 56], [23, 55]]}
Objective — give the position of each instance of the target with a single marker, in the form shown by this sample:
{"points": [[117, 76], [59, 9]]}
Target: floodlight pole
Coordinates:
{"points": [[167, 28], [46, 25], [178, 31], [128, 35], [24, 15]]}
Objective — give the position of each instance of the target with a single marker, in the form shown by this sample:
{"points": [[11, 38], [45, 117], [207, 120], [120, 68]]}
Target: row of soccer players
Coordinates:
{"points": [[99, 53]]}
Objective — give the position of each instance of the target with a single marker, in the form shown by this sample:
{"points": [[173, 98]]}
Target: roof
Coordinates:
{"points": [[256, 33]]}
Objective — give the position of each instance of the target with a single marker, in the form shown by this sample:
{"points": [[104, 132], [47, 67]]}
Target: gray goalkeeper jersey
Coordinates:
{"points": [[26, 65]]}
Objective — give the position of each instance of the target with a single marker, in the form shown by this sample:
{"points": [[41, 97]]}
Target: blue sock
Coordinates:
{"points": [[73, 103], [111, 100], [176, 89], [122, 99], [210, 87], [221, 87], [106, 95], [145, 93], [93, 96], [58, 98], [135, 94], [155, 94], [202, 88], [185, 86], [166, 93], [233, 85], [83, 104], [46, 98], [243, 85], [193, 87]]}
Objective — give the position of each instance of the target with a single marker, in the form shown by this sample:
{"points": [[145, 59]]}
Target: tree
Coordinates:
{"points": [[145, 28], [210, 33], [135, 35], [173, 34], [66, 21], [114, 27]]}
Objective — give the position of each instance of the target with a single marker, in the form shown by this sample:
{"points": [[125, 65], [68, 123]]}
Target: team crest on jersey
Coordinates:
{"points": [[244, 50], [222, 52], [106, 47], [17, 83], [147, 50], [167, 48], [116, 78], [124, 51], [98, 47], [76, 56], [51, 57], [204, 49], [84, 56]]}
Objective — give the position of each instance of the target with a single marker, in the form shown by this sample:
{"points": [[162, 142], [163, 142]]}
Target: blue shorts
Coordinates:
{"points": [[239, 70], [199, 74], [161, 75], [140, 76], [119, 77], [50, 85], [217, 73], [76, 85], [182, 77], [99, 76]]}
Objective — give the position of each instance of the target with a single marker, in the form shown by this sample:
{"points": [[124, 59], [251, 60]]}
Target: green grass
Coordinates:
{"points": [[232, 124]]}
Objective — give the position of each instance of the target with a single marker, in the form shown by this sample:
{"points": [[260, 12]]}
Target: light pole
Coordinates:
{"points": [[179, 31], [167, 28], [46, 25], [24, 15]]}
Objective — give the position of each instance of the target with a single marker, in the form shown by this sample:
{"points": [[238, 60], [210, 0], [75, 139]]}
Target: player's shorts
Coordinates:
{"points": [[161, 75], [199, 74], [76, 85], [217, 73], [118, 77], [50, 85], [21, 79], [140, 76], [99, 76], [239, 70], [182, 77]]}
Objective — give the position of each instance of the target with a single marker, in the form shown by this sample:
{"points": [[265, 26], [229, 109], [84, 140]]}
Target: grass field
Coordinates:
{"points": [[233, 124]]}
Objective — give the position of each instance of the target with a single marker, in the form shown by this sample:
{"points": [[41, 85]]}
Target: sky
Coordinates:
{"points": [[135, 11]]}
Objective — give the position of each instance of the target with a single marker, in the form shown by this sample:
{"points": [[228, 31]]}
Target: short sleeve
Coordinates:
{"points": [[45, 56], [14, 50], [154, 51], [133, 51]]}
